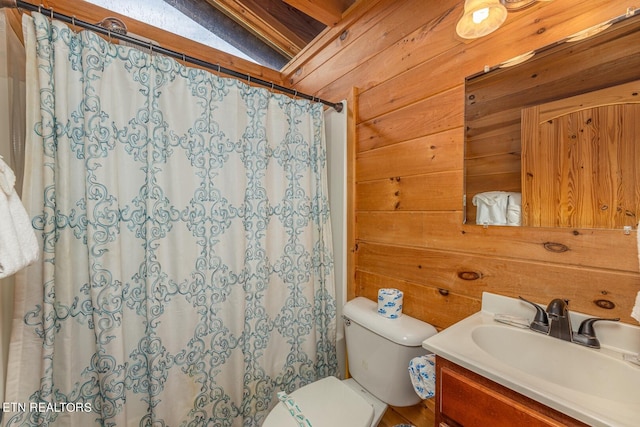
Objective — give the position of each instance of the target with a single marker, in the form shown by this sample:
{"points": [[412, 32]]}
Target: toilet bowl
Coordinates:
{"points": [[379, 350]]}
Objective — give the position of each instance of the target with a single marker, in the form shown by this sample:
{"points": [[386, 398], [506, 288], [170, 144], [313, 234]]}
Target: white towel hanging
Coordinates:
{"points": [[18, 243]]}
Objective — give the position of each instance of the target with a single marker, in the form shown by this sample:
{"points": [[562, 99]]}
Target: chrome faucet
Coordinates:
{"points": [[556, 323]]}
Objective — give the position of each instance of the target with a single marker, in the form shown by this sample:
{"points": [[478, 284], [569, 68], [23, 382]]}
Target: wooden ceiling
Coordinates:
{"points": [[285, 25]]}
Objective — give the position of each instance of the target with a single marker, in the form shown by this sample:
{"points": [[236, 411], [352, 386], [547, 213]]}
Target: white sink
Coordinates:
{"points": [[565, 364], [595, 386]]}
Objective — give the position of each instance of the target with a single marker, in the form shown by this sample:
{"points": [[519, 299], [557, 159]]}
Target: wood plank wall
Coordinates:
{"points": [[409, 68], [406, 67]]}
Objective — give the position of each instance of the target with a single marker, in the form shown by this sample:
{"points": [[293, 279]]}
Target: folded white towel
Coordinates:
{"points": [[514, 209], [498, 208], [18, 243]]}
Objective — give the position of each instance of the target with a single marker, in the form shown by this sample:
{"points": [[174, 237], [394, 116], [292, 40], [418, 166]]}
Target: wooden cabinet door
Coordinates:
{"points": [[466, 399], [473, 405]]}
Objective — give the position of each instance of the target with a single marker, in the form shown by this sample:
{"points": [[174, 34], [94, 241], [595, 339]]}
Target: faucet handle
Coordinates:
{"points": [[586, 334], [540, 321]]}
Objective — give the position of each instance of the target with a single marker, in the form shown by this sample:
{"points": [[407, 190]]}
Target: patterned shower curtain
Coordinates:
{"points": [[187, 273]]}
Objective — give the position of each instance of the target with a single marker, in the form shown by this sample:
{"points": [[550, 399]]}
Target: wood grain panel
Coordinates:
{"points": [[432, 192], [580, 168], [328, 12], [283, 27], [422, 301], [508, 181], [495, 164], [366, 42], [492, 405], [357, 18], [574, 69], [498, 406], [553, 245], [429, 116], [352, 108], [470, 275], [422, 415], [503, 138], [407, 53], [432, 153], [520, 33]]}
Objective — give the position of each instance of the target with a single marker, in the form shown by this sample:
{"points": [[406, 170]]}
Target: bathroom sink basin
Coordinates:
{"points": [[568, 365], [595, 386]]}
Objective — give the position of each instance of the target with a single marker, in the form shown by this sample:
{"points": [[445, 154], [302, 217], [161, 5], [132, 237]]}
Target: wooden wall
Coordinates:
{"points": [[408, 69], [402, 68]]}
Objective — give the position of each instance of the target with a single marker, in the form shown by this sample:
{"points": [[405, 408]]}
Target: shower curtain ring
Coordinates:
{"points": [[40, 8], [51, 13], [150, 48]]}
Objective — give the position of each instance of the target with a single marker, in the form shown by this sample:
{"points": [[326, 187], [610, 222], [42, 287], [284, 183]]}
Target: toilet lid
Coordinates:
{"points": [[325, 403]]}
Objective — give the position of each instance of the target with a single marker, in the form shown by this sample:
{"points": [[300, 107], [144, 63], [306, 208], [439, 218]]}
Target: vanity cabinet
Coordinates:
{"points": [[466, 399]]}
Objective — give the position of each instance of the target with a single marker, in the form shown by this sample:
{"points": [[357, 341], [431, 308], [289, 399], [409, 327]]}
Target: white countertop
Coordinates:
{"points": [[596, 409]]}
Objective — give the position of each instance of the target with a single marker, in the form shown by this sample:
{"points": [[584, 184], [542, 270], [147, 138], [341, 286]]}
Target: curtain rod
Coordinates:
{"points": [[18, 4]]}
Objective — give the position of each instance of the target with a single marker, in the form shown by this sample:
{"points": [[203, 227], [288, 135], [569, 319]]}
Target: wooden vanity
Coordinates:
{"points": [[467, 399]]}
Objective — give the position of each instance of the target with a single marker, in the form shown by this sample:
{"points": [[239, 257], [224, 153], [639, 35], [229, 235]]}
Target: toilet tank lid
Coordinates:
{"points": [[404, 330]]}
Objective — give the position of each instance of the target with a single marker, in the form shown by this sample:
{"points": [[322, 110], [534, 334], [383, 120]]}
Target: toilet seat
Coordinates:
{"points": [[326, 403]]}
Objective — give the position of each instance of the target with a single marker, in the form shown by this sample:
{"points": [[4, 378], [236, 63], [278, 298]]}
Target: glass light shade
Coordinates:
{"points": [[468, 26]]}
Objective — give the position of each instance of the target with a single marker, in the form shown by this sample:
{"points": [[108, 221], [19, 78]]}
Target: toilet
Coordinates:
{"points": [[379, 350]]}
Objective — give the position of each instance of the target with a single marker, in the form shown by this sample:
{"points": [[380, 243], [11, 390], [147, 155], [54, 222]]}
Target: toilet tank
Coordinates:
{"points": [[379, 350]]}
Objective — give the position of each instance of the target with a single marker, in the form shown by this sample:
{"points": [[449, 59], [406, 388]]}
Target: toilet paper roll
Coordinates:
{"points": [[422, 371], [390, 303]]}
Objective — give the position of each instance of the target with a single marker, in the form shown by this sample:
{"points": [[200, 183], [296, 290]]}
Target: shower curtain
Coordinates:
{"points": [[187, 272]]}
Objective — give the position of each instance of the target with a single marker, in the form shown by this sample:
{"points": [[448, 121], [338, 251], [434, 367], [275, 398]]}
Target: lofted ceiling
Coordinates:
{"points": [[272, 31]]}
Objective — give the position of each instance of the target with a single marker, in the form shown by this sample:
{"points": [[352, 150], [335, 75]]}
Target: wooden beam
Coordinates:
{"points": [[329, 12], [283, 28]]}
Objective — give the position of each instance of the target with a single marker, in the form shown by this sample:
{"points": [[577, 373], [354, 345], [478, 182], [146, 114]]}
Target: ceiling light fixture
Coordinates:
{"points": [[480, 18]]}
